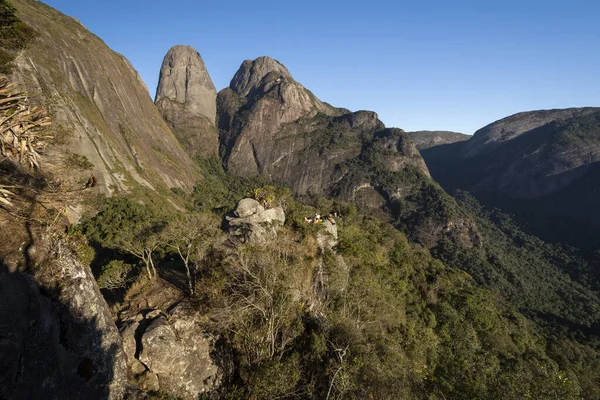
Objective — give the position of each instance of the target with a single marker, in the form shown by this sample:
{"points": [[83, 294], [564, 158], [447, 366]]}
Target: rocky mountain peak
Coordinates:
{"points": [[251, 73], [185, 80], [187, 100]]}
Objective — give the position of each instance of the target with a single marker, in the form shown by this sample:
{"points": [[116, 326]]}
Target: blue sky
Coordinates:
{"points": [[428, 64]]}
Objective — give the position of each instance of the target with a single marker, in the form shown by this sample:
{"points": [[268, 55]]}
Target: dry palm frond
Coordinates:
{"points": [[21, 126], [4, 196]]}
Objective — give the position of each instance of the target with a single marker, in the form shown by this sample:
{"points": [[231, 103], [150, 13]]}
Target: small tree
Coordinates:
{"points": [[130, 227], [114, 275], [191, 237], [141, 241]]}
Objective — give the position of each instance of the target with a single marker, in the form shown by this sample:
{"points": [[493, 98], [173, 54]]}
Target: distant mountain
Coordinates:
{"points": [[539, 164], [426, 139]]}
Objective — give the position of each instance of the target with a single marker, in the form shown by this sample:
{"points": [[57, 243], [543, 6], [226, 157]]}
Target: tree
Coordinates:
{"points": [[260, 302], [115, 275], [128, 226], [141, 241], [191, 237]]}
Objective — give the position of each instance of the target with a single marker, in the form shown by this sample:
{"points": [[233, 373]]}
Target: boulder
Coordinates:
{"points": [[247, 207], [251, 223], [327, 236], [170, 352]]}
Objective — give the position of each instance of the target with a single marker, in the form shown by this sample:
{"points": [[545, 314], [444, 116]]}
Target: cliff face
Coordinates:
{"points": [[101, 108], [58, 339], [261, 98], [272, 126], [187, 100]]}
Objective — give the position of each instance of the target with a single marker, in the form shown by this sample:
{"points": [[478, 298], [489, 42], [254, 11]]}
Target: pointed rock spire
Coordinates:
{"points": [[185, 80], [186, 97]]}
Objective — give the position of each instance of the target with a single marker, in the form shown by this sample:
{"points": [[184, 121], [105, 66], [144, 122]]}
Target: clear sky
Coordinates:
{"points": [[422, 64]]}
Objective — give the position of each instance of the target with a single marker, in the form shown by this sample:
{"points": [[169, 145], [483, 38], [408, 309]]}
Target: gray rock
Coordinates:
{"points": [[327, 236], [269, 98], [247, 207], [62, 345], [169, 351], [272, 126], [178, 353], [251, 73], [186, 97], [258, 227]]}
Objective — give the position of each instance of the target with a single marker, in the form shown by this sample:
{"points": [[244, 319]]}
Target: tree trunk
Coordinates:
{"points": [[189, 276]]}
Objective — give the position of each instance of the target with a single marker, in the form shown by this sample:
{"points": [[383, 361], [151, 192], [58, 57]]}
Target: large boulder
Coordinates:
{"points": [[251, 223], [167, 349], [327, 236], [247, 207], [187, 99], [177, 351]]}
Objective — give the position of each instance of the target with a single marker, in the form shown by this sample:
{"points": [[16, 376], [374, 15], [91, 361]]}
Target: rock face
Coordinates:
{"points": [[187, 100], [61, 345], [426, 139], [165, 346], [251, 73], [101, 108], [261, 98], [251, 223], [272, 126]]}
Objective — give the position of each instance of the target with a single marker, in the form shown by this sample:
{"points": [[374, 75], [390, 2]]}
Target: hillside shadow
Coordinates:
{"points": [[46, 350]]}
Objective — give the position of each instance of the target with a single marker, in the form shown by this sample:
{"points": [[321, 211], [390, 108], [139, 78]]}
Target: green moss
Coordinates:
{"points": [[78, 161]]}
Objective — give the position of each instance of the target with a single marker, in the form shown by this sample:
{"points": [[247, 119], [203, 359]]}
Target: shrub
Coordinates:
{"points": [[115, 275]]}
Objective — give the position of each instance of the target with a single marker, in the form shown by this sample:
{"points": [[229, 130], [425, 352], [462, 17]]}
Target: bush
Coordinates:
{"points": [[115, 275]]}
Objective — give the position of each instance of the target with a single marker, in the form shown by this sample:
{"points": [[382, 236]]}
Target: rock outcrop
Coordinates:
{"points": [[272, 126], [187, 100], [58, 341], [166, 347], [327, 236], [102, 112], [426, 139], [261, 98], [251, 223]]}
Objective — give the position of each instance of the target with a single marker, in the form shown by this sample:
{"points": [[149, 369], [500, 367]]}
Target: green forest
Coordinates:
{"points": [[502, 320]]}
